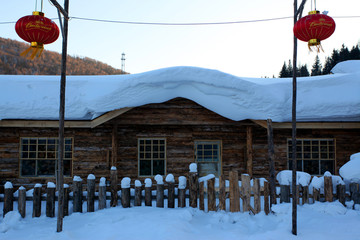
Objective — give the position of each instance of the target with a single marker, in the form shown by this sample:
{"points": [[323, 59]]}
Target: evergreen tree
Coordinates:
{"points": [[344, 53], [355, 52], [283, 73], [303, 72], [316, 68], [329, 64], [290, 69]]}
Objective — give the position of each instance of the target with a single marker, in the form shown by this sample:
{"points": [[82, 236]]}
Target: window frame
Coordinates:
{"points": [[151, 159], [47, 152], [311, 152], [220, 150]]}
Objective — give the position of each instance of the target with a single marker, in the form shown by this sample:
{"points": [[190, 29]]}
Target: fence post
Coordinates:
{"points": [[37, 200], [316, 194], [305, 194], [328, 188], [181, 192], [193, 185], [201, 196], [340, 191], [22, 201], [77, 194], [138, 196], [256, 190], [102, 193], [266, 198], [355, 193], [125, 192], [171, 190], [148, 192], [222, 193], [8, 198], [245, 187], [50, 199], [234, 191], [113, 187], [90, 193], [284, 193], [159, 191], [211, 194], [66, 200]]}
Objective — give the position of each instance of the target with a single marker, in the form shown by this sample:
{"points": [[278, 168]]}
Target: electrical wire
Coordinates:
{"points": [[181, 24]]}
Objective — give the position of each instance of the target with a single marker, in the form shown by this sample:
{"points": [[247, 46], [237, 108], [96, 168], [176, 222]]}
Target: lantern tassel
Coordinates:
{"points": [[36, 50]]}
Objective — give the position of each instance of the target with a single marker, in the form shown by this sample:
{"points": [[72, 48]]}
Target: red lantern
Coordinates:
{"points": [[37, 30], [314, 28]]}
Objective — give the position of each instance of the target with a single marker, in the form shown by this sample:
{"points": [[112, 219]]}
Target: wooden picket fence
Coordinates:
{"points": [[239, 197]]}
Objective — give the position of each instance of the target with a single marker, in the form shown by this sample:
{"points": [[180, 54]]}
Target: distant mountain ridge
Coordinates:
{"points": [[48, 64]]}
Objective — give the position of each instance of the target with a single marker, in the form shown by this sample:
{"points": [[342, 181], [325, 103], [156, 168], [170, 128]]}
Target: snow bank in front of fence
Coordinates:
{"points": [[318, 182], [285, 178], [351, 170]]}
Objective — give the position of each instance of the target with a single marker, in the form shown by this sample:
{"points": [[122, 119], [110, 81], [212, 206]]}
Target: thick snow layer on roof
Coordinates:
{"points": [[324, 98]]}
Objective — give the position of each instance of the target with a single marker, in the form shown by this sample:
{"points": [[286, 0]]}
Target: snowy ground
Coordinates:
{"points": [[321, 221]]}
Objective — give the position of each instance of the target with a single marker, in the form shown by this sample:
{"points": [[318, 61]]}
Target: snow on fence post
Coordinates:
{"points": [[328, 188], [90, 200], [171, 190], [222, 193], [22, 201], [266, 197], [102, 193], [181, 192], [77, 194], [234, 191], [159, 191], [8, 198], [193, 185], [66, 200], [211, 194], [138, 197], [201, 196], [125, 192], [37, 200], [50, 199], [340, 193], [148, 193], [113, 187], [256, 190], [246, 191]]}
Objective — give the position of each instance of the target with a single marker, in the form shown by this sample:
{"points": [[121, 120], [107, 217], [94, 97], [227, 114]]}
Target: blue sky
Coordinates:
{"points": [[248, 49]]}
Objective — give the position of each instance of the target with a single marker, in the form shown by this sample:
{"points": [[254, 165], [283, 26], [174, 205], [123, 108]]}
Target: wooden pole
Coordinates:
{"points": [[37, 201], [271, 157], [193, 189], [60, 163], [138, 197], [211, 194], [222, 193], [266, 198], [8, 198], [102, 193], [201, 196], [249, 151], [328, 188], [256, 190], [113, 187], [90, 200], [50, 200], [234, 191], [22, 201], [78, 194], [245, 192], [66, 200]]}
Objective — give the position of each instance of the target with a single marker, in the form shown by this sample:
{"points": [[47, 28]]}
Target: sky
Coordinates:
{"points": [[254, 49]]}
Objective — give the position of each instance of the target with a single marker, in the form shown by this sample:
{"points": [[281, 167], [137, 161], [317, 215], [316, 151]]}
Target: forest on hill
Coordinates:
{"points": [[48, 64], [337, 55]]}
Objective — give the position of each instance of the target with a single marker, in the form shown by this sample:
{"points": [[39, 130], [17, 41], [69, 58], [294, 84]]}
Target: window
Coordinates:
{"points": [[314, 156], [151, 156], [38, 156], [207, 157]]}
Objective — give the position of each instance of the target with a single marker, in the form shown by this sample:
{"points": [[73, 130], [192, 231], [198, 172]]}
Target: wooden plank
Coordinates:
{"points": [[256, 190], [181, 198], [234, 191], [328, 188], [193, 189], [201, 196], [316, 195], [108, 116], [8, 200], [125, 197], [245, 192], [102, 197], [77, 195], [171, 195], [22, 202], [138, 197], [66, 200], [340, 192], [37, 201], [148, 201], [284, 193], [249, 150], [211, 194], [113, 187], [90, 193], [222, 193], [114, 145], [50, 201], [160, 195], [305, 194], [319, 125], [266, 198]]}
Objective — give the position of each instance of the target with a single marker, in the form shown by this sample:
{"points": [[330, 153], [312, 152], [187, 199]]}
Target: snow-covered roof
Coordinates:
{"points": [[334, 97]]}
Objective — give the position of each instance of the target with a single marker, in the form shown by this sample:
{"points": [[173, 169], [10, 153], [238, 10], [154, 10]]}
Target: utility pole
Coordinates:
{"points": [[297, 16], [123, 63], [60, 162]]}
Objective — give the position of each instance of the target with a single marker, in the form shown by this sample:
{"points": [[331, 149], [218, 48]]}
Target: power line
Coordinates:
{"points": [[181, 24]]}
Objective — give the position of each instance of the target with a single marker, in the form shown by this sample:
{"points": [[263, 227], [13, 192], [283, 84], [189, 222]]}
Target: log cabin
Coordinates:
{"points": [[161, 121]]}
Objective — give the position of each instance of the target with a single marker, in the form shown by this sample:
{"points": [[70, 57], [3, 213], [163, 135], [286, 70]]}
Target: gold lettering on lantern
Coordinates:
{"points": [[37, 25], [321, 23]]}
